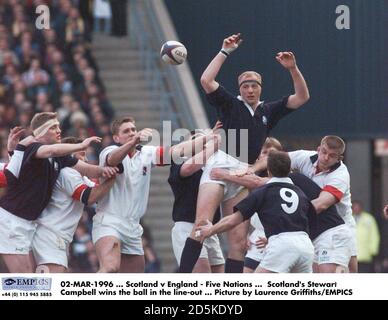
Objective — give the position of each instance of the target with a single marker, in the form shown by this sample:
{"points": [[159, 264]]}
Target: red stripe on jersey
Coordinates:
{"points": [[159, 156], [334, 191], [3, 180], [77, 194]]}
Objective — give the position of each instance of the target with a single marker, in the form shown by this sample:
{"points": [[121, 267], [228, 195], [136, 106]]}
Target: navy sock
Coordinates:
{"points": [[190, 255], [234, 266]]}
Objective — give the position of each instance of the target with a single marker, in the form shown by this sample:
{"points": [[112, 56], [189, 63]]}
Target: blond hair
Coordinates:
{"points": [[245, 74], [41, 118], [334, 142], [271, 142]]}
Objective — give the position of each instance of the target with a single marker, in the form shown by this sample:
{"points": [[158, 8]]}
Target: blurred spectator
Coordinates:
{"points": [[119, 17], [368, 238], [102, 16], [81, 250], [152, 263]]}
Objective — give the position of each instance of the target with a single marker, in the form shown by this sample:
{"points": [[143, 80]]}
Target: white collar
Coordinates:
{"points": [[282, 180], [248, 106]]}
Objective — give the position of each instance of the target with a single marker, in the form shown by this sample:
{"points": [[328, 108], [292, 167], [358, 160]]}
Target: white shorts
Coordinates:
{"points": [[353, 241], [211, 249], [49, 247], [289, 252], [223, 161], [128, 232], [333, 246], [253, 252], [15, 233]]}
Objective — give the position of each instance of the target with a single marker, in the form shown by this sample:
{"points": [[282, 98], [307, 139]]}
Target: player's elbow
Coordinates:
{"points": [[208, 83], [205, 81], [305, 97]]}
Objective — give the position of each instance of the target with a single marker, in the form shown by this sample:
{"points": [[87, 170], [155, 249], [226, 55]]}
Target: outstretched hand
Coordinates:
{"points": [[145, 134], [232, 42], [286, 59], [27, 141], [88, 141], [203, 232], [14, 137]]}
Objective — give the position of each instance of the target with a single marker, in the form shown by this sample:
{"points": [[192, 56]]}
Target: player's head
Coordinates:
{"points": [[279, 164], [123, 129], [330, 152], [250, 83], [357, 207], [269, 145], [45, 128], [80, 155]]}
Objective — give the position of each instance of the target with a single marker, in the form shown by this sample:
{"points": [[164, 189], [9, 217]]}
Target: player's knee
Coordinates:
{"points": [[238, 244], [110, 265]]}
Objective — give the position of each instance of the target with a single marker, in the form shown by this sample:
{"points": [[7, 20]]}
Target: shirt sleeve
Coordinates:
{"points": [[221, 99], [72, 183], [276, 110], [153, 155], [297, 159], [3, 180], [251, 204], [337, 184], [104, 155]]}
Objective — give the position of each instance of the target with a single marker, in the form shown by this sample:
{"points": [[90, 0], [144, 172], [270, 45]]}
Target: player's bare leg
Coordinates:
{"points": [[132, 263], [237, 237], [18, 263], [51, 268], [353, 264], [248, 270], [109, 254], [202, 266], [262, 270], [219, 268], [332, 268], [209, 198]]}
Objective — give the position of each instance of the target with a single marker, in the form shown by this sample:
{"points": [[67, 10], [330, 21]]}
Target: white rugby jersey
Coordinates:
{"points": [[65, 208], [335, 180], [128, 198]]}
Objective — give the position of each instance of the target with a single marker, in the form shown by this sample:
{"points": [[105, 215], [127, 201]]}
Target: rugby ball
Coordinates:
{"points": [[173, 52]]}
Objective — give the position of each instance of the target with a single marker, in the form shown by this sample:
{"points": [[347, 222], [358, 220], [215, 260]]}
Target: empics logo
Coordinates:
{"points": [[26, 284]]}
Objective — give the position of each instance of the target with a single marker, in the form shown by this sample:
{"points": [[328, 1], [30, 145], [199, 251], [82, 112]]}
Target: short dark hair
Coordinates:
{"points": [[116, 124], [71, 140], [279, 164]]}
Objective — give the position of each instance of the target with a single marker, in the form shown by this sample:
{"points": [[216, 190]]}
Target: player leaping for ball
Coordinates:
{"points": [[245, 111]]}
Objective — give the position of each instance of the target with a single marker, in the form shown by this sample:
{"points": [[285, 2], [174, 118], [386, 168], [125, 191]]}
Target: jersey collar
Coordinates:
{"points": [[314, 161], [280, 180], [248, 106]]}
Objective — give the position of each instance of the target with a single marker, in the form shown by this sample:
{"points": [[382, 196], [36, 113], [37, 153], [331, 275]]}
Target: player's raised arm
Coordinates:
{"points": [[208, 82], [301, 95], [63, 149]]}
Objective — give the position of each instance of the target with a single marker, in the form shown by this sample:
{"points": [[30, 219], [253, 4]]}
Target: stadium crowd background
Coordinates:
{"points": [[54, 70]]}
